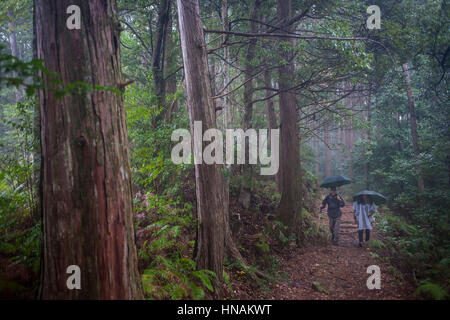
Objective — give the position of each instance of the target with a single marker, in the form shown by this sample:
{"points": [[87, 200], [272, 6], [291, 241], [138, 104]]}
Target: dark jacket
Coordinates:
{"points": [[334, 205]]}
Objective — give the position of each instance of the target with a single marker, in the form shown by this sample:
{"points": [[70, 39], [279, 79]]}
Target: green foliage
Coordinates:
{"points": [[21, 230], [419, 250], [15, 73], [151, 144], [432, 291], [17, 189], [278, 232], [261, 245], [168, 272], [378, 244], [178, 279], [264, 194]]}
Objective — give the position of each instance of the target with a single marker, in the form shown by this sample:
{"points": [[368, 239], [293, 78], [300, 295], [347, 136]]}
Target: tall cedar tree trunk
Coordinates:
{"points": [[158, 54], [208, 178], [413, 123], [87, 205], [290, 204]]}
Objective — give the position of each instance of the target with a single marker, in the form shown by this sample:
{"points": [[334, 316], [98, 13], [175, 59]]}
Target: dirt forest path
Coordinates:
{"points": [[340, 270]]}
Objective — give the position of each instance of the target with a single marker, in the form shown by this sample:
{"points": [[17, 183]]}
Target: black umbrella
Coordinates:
{"points": [[378, 198], [335, 181]]}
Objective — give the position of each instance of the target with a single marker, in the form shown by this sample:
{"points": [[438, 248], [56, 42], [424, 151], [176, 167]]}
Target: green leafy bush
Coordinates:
{"points": [[432, 291]]}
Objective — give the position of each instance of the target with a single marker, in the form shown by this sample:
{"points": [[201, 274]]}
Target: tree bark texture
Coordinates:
{"points": [[413, 124], [290, 204], [208, 178], [86, 185]]}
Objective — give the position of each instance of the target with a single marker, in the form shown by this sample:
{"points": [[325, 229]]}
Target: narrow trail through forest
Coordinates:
{"points": [[340, 270]]}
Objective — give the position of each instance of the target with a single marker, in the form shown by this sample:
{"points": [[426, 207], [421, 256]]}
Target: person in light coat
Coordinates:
{"points": [[364, 208]]}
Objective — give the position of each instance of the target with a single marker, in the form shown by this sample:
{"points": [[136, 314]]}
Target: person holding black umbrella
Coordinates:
{"points": [[335, 203]]}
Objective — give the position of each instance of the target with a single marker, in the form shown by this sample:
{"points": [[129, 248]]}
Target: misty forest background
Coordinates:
{"points": [[369, 104]]}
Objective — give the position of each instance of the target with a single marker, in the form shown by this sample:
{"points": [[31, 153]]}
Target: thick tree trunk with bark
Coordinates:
{"points": [[208, 178], [290, 204], [413, 123], [86, 185]]}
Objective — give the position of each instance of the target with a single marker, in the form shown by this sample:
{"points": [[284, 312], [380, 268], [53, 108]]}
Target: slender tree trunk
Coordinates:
{"points": [[271, 117], [37, 154], [249, 68], [348, 149], [290, 204], [158, 54], [14, 51], [448, 168], [369, 139], [226, 120], [231, 249], [348, 135], [208, 178], [327, 151], [12, 36], [413, 123], [342, 144], [317, 159], [170, 65], [87, 207], [227, 108]]}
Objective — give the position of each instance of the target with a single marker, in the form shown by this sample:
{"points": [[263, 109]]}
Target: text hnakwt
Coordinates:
{"points": [[213, 153]]}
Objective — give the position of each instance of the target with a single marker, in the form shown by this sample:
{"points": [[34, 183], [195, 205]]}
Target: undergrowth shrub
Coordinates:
{"points": [[419, 248], [165, 247]]}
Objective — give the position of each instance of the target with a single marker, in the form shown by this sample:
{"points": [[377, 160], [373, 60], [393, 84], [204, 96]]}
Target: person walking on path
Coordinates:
{"points": [[335, 203], [364, 208]]}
